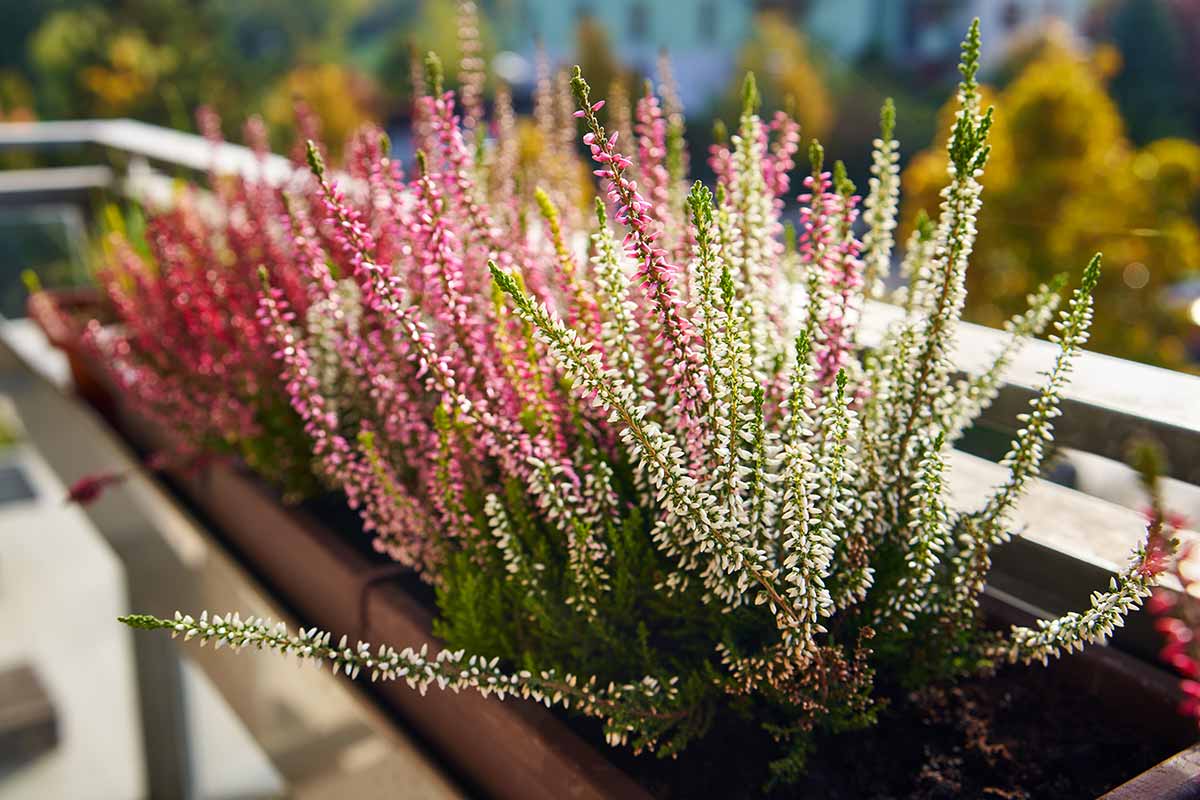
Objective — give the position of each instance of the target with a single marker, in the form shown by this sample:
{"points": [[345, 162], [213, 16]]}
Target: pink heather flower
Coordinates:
{"points": [[651, 131], [1157, 557], [780, 160], [388, 512], [681, 367], [720, 161], [308, 129]]}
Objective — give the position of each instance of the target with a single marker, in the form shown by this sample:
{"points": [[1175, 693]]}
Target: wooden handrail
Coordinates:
{"points": [[1107, 401]]}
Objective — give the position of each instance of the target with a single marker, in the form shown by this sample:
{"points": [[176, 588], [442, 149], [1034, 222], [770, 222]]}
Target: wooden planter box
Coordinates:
{"points": [[62, 314], [513, 749]]}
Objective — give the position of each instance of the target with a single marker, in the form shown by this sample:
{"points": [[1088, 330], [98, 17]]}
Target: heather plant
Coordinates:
{"points": [[182, 282], [650, 480], [1178, 621]]}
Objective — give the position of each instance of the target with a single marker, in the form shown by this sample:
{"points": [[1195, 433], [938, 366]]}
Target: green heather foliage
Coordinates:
{"points": [[651, 480]]}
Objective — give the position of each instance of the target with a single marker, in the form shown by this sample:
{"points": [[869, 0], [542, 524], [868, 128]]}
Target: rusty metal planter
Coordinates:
{"points": [[511, 749]]}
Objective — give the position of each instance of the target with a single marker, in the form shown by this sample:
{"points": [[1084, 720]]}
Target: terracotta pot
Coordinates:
{"points": [[516, 749]]}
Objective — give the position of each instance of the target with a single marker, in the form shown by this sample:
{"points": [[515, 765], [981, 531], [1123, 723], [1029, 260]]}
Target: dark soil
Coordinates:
{"points": [[1022, 733]]}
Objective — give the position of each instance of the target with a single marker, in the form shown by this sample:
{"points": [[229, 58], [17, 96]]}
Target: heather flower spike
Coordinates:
{"points": [[189, 352], [434, 73], [647, 445]]}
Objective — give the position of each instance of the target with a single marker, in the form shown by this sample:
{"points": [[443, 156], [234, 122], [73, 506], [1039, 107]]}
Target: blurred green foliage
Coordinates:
{"points": [[342, 98], [431, 25], [158, 60], [145, 58]]}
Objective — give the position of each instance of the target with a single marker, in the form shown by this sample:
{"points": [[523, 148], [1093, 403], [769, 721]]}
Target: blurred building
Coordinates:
{"points": [[702, 36], [925, 34]]}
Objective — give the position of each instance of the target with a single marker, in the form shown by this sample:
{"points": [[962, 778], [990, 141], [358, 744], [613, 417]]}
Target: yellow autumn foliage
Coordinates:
{"points": [[342, 98], [1065, 179]]}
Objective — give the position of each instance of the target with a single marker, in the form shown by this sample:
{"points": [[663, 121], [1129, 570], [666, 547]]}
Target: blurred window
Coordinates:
{"points": [[1012, 15], [639, 22], [708, 21]]}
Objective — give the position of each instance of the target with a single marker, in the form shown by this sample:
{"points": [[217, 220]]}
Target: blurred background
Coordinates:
{"points": [[1095, 146]]}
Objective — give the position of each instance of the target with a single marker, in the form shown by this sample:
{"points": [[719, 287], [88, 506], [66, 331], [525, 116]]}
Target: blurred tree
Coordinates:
{"points": [[435, 27], [158, 60], [266, 38], [342, 98], [16, 97], [779, 56], [597, 59], [151, 59], [1064, 181]]}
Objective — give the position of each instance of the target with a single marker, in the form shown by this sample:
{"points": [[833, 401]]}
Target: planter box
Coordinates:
{"points": [[516, 749], [62, 315]]}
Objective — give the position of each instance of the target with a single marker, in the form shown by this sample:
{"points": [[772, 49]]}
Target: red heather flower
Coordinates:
{"points": [[1160, 602], [1184, 664], [189, 351], [1177, 612], [1190, 707], [89, 488]]}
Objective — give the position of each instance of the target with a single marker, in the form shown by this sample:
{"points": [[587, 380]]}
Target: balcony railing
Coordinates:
{"points": [[1070, 541]]}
